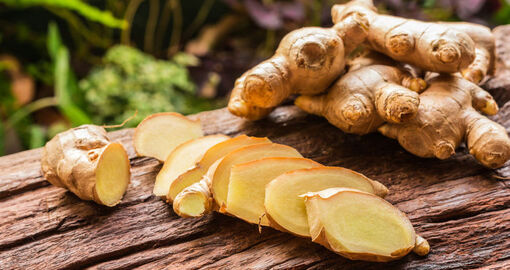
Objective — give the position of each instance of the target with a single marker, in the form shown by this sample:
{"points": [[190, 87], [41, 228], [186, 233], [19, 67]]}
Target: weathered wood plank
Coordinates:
{"points": [[462, 208]]}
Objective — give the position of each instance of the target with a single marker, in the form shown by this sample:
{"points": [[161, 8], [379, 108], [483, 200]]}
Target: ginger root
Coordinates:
{"points": [[84, 161], [307, 61], [363, 99], [160, 133], [447, 115], [360, 226], [286, 210], [430, 46], [484, 49]]}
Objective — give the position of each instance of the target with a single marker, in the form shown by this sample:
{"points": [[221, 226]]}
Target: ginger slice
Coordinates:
{"points": [[286, 210], [359, 225], [221, 178], [247, 187], [184, 157], [215, 183], [193, 175], [84, 161], [160, 133]]}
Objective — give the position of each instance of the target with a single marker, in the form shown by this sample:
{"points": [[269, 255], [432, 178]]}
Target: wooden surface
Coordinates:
{"points": [[459, 206]]}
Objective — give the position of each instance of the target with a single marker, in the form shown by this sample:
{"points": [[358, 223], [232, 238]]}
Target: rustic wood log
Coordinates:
{"points": [[462, 208]]}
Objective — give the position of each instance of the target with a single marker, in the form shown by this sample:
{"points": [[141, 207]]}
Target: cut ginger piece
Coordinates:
{"points": [[195, 174], [85, 161], [196, 200], [184, 157], [221, 178], [160, 133], [359, 225], [286, 210], [247, 187]]}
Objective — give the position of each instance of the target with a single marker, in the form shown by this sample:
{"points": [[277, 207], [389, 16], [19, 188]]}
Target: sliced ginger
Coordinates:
{"points": [[216, 182], [84, 161], [221, 177], [286, 210], [214, 153], [360, 226], [159, 134], [247, 186], [184, 157]]}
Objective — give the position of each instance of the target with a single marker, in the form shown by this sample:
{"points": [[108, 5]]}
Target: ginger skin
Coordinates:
{"points": [[429, 46], [84, 161], [364, 98], [307, 61], [484, 50], [447, 115]]}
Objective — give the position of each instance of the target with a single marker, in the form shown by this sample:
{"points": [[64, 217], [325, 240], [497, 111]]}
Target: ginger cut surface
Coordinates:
{"points": [[195, 174], [427, 45], [184, 157], [359, 225], [247, 186], [84, 161], [286, 210], [159, 134]]}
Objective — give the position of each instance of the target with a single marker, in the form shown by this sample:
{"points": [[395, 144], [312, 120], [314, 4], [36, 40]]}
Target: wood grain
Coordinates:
{"points": [[462, 208]]}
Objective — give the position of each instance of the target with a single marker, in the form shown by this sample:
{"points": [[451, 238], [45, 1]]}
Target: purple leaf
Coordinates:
{"points": [[265, 16], [294, 11]]}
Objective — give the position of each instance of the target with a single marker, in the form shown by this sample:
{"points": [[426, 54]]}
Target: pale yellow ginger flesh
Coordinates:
{"points": [[196, 200], [214, 153], [286, 210], [247, 186], [184, 157], [221, 177], [159, 134], [215, 183], [359, 225], [84, 161]]}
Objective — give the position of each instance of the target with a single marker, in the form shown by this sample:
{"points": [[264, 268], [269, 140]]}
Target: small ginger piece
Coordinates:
{"points": [[247, 186], [217, 182], [427, 45], [196, 199], [306, 62], [447, 116], [184, 157], [484, 49], [363, 99], [286, 210], [84, 161], [195, 174], [160, 133], [359, 225]]}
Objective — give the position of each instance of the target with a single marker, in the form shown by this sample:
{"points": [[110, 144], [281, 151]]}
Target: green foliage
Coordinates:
{"points": [[66, 89], [84, 9], [130, 81]]}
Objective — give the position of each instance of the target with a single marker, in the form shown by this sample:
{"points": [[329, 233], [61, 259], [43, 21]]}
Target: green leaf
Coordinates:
{"points": [[54, 42], [37, 137], [64, 83], [90, 12]]}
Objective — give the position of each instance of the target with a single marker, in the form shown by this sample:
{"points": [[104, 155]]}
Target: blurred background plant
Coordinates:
{"points": [[68, 62]]}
